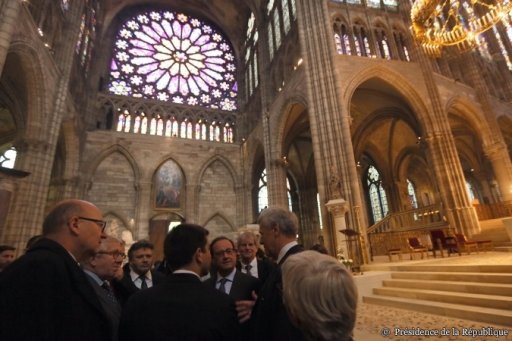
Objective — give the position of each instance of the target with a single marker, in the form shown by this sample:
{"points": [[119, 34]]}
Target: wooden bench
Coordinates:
{"points": [[393, 252]]}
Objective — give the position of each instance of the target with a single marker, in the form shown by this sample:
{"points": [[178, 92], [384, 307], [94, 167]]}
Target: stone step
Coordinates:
{"points": [[454, 276], [480, 314], [503, 248], [475, 300], [453, 286], [502, 269]]}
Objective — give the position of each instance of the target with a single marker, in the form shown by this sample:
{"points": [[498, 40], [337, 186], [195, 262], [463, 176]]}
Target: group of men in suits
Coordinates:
{"points": [[69, 285]]}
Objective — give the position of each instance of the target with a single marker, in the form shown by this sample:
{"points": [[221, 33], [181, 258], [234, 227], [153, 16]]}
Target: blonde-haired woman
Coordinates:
{"points": [[320, 296]]}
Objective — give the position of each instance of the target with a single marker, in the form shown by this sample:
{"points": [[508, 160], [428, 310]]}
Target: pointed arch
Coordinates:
{"points": [[38, 105], [215, 223], [466, 109], [404, 86], [94, 162], [225, 162]]}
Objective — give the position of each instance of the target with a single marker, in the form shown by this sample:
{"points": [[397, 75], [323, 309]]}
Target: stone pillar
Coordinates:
{"points": [[7, 188], [9, 11], [339, 208], [329, 119], [442, 152], [498, 155], [143, 208]]}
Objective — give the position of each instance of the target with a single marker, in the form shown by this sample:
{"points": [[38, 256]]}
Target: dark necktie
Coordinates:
{"points": [[248, 268], [110, 293], [222, 287], [143, 284]]}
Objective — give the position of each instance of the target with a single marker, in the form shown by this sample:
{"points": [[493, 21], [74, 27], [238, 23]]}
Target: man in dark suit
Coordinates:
{"points": [[137, 272], [101, 269], [45, 295], [278, 230], [249, 264], [227, 278], [181, 308]]}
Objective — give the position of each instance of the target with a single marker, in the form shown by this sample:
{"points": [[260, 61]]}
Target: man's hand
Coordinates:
{"points": [[244, 308]]}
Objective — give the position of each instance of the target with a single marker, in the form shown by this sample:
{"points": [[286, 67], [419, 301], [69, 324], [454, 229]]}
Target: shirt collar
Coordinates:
{"points": [[134, 275], [285, 249], [94, 276], [181, 271], [229, 277]]}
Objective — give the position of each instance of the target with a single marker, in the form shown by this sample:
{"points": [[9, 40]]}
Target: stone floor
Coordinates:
{"points": [[376, 322]]}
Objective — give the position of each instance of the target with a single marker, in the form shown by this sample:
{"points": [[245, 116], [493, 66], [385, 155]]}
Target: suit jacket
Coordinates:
{"points": [[181, 308], [112, 309], [44, 295], [242, 286], [270, 319], [264, 268], [125, 287]]}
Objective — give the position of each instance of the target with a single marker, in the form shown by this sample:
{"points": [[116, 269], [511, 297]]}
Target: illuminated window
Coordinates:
{"points": [[411, 191], [377, 194], [8, 158], [173, 57]]}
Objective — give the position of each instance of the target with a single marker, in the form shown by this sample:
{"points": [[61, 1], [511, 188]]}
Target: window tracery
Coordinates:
{"points": [[171, 56], [377, 194]]}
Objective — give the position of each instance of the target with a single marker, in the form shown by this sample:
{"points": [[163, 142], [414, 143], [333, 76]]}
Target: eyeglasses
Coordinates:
{"points": [[221, 253], [114, 254], [101, 223]]}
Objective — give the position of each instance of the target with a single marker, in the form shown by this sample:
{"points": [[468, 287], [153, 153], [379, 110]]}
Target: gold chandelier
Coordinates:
{"points": [[438, 24]]}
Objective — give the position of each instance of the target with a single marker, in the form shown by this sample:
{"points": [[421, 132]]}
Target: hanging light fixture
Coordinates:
{"points": [[445, 24]]}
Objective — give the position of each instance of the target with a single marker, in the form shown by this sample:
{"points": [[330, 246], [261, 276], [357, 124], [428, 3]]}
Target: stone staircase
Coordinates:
{"points": [[494, 229], [480, 293]]}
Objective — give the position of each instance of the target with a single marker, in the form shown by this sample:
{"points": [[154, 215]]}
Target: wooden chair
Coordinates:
{"points": [[415, 246], [463, 244], [442, 243]]}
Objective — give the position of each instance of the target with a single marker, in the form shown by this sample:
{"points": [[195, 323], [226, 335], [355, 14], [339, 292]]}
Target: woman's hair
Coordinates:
{"points": [[320, 296]]}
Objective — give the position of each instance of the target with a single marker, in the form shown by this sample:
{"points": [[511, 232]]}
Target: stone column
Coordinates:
{"points": [[443, 152], [494, 144], [498, 155], [329, 119], [339, 208], [9, 11], [7, 187]]}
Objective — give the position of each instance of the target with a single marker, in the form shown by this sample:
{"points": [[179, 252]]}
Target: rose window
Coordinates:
{"points": [[172, 57]]}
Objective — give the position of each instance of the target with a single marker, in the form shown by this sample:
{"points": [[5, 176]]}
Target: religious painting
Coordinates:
{"points": [[168, 186]]}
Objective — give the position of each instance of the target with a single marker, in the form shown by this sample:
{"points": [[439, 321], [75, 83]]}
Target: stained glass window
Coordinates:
{"points": [[271, 45], [337, 41], [411, 190], [294, 9], [277, 29], [64, 4], [385, 47], [346, 43], [377, 194], [357, 45], [173, 57], [502, 46], [262, 191], [373, 3], [8, 158], [286, 16], [250, 26]]}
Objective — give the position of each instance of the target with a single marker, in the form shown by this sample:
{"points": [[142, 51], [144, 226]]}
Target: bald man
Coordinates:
{"points": [[44, 295]]}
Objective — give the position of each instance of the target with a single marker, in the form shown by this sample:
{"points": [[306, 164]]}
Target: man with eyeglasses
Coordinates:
{"points": [[181, 308], [45, 295], [227, 278], [101, 269]]}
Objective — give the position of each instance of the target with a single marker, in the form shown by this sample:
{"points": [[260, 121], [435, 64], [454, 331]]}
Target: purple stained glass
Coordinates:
{"points": [[172, 57]]}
